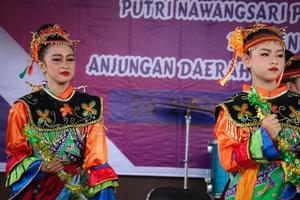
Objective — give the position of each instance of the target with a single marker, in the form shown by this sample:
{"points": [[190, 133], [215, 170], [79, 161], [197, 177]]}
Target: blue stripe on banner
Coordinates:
{"points": [[162, 106]]}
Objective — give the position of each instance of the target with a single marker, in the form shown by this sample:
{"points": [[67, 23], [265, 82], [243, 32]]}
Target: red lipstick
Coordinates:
{"points": [[65, 73], [273, 69]]}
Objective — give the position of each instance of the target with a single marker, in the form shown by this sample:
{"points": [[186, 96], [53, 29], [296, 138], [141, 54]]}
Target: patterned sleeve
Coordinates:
{"points": [[233, 144], [100, 172], [21, 167], [241, 147]]}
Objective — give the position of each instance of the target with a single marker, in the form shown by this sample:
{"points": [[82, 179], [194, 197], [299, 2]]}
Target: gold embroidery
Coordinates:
{"points": [[44, 116], [242, 110], [295, 113]]}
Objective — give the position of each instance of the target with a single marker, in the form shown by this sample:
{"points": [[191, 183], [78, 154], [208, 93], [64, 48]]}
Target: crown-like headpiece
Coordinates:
{"points": [[240, 44], [41, 38]]}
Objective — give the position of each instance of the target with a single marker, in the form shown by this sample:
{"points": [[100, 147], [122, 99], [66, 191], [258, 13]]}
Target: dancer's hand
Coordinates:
{"points": [[272, 125], [52, 167]]}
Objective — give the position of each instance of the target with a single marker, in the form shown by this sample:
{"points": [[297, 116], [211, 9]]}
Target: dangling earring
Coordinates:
{"points": [[43, 67]]}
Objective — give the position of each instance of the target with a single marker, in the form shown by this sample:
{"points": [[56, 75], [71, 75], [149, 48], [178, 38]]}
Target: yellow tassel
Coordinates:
{"points": [[278, 80], [224, 80]]}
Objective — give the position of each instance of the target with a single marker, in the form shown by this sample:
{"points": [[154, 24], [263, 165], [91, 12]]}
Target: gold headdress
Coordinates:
{"points": [[42, 38], [240, 43]]}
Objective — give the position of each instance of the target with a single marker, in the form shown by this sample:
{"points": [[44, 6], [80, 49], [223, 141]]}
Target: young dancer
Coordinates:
{"points": [[248, 134], [56, 143]]}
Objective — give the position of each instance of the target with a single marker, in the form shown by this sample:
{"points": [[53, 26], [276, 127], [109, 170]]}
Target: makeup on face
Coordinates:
{"points": [[60, 64], [274, 57], [65, 73]]}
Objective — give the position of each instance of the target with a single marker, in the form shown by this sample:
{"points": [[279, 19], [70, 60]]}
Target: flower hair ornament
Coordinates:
{"points": [[240, 45], [41, 38]]}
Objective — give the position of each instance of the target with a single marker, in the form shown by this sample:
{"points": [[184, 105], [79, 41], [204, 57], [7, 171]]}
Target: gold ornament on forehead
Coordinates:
{"points": [[41, 38], [264, 44], [237, 42], [240, 34]]}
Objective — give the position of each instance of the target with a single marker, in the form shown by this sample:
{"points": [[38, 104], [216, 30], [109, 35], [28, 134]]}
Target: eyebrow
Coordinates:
{"points": [[61, 55], [269, 50]]}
